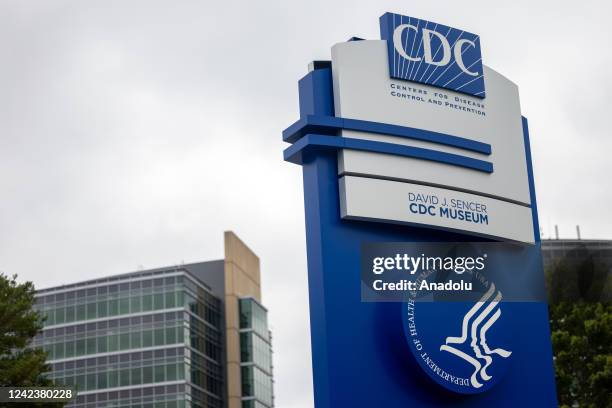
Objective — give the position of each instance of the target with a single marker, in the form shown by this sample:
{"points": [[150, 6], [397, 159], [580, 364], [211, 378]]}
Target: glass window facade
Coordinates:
{"points": [[255, 356], [150, 339]]}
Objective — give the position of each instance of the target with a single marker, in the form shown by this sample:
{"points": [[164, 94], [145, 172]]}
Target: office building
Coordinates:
{"points": [[578, 269], [577, 249], [192, 335]]}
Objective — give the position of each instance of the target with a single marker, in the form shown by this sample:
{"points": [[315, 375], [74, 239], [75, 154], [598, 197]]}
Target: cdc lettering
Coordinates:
{"points": [[422, 209], [448, 51]]}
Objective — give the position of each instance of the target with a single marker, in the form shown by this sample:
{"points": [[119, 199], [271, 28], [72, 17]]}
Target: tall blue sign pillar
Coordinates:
{"points": [[363, 184]]}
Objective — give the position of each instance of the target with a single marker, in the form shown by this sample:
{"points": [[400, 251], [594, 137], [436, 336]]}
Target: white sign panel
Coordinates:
{"points": [[430, 206], [363, 90]]}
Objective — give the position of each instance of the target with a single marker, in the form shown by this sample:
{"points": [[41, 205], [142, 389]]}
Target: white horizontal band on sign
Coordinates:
{"points": [[406, 203]]}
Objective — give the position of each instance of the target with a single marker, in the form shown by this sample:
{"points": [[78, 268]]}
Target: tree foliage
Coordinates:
{"points": [[582, 343], [20, 365], [581, 325]]}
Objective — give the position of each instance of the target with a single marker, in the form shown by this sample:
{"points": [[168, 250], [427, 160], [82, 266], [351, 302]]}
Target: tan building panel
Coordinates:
{"points": [[242, 279]]}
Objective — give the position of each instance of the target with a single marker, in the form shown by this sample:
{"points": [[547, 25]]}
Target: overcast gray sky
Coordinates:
{"points": [[135, 132]]}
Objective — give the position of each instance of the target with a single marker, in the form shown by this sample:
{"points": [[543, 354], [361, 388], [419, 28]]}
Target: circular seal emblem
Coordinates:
{"points": [[463, 346]]}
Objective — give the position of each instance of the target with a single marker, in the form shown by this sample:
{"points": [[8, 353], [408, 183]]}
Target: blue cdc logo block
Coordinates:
{"points": [[433, 54]]}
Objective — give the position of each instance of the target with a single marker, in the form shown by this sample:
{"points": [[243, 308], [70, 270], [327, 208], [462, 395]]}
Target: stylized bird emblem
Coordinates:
{"points": [[474, 326]]}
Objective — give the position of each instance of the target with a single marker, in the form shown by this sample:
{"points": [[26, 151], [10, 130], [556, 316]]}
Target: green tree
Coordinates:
{"points": [[581, 327], [582, 344], [20, 365]]}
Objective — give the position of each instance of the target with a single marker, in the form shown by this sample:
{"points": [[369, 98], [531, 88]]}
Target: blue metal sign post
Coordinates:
{"points": [[360, 350]]}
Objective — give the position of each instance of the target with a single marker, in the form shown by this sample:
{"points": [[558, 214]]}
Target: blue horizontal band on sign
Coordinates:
{"points": [[316, 124], [294, 152]]}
